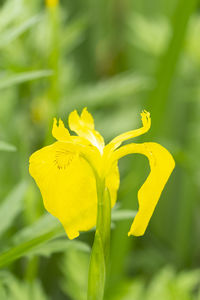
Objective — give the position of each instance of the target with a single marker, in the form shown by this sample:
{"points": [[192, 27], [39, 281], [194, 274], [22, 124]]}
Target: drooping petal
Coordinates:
{"points": [[146, 121], [161, 164], [59, 131], [84, 126], [67, 184]]}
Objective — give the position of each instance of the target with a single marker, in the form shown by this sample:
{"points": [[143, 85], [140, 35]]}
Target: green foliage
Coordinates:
{"points": [[12, 33], [108, 92], [6, 147], [122, 214], [8, 80], [11, 206], [12, 288], [166, 285], [74, 266], [117, 58], [147, 30]]}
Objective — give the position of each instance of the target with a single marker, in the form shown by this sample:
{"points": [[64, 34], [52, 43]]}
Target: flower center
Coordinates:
{"points": [[63, 159]]}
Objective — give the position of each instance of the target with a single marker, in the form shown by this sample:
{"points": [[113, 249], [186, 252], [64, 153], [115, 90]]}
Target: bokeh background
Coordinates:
{"points": [[116, 57]]}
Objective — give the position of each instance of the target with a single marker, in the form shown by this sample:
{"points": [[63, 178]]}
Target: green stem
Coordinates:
{"points": [[55, 53], [101, 247]]}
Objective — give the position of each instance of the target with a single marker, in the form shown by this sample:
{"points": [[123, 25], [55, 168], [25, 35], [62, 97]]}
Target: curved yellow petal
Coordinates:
{"points": [[59, 131], [161, 164], [68, 186], [146, 122], [87, 119], [84, 127]]}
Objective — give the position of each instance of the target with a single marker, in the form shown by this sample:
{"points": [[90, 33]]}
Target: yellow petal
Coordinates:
{"points": [[68, 186], [146, 122], [84, 126], [87, 119], [59, 131], [161, 164]]}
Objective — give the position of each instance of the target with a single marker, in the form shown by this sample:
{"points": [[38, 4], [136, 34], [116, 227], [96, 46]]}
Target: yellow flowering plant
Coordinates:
{"points": [[78, 178]]}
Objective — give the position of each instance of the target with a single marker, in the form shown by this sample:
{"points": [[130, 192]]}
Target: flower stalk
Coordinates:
{"points": [[101, 248], [79, 178]]}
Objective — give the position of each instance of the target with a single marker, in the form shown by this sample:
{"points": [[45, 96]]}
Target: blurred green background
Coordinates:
{"points": [[117, 57]]}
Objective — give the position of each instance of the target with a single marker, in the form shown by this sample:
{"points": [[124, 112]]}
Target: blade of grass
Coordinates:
{"points": [[12, 79], [7, 147], [123, 214], [11, 34], [25, 248], [43, 225], [58, 245], [30, 241], [168, 64], [160, 105], [9, 12], [11, 206], [107, 91]]}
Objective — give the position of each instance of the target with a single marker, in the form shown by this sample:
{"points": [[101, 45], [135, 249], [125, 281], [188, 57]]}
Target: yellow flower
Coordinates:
{"points": [[67, 181], [52, 3]]}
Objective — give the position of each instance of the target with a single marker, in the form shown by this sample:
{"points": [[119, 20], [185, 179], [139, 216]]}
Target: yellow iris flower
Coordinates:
{"points": [[67, 182]]}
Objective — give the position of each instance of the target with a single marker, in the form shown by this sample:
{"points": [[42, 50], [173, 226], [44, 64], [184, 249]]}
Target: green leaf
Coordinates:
{"points": [[107, 91], [126, 290], [17, 78], [7, 147], [41, 245], [73, 34], [123, 214], [25, 248], [3, 295], [10, 34], [15, 289], [159, 97], [37, 239], [97, 270], [45, 224], [28, 239], [9, 12], [58, 245], [144, 31], [74, 266], [11, 206]]}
